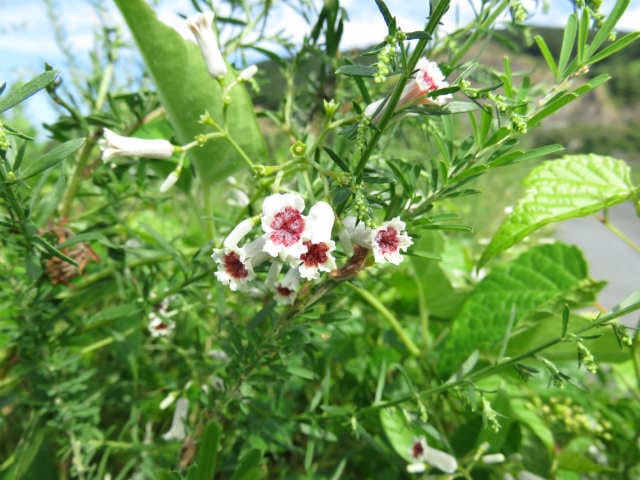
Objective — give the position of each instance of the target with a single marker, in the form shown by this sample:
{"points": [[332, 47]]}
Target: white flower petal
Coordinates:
{"points": [[178, 430], [441, 460], [114, 145], [169, 182], [238, 233], [319, 223], [200, 24]]}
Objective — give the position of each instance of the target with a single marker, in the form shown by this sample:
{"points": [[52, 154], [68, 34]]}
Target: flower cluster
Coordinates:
{"points": [[299, 246]]}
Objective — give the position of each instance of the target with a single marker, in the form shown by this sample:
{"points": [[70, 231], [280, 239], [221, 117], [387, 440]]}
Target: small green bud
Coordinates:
{"points": [[298, 149], [227, 99], [11, 176], [201, 139], [330, 107], [206, 119]]}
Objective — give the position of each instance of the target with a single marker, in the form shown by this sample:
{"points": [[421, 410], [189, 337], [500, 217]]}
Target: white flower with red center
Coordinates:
{"points": [[114, 145], [235, 264], [286, 290], [200, 25], [283, 224], [317, 239], [388, 240], [160, 325]]}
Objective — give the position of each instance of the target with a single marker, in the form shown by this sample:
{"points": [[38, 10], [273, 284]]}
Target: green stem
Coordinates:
{"points": [[389, 317], [390, 106], [605, 221], [72, 187]]}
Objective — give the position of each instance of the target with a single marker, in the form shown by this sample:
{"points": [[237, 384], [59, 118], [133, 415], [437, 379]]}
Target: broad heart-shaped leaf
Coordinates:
{"points": [[187, 90], [574, 186], [541, 280]]}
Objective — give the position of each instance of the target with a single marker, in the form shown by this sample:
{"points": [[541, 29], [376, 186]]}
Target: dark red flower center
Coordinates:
{"points": [[316, 254], [417, 450], [428, 81], [161, 326], [287, 226], [234, 266], [284, 291], [387, 240]]}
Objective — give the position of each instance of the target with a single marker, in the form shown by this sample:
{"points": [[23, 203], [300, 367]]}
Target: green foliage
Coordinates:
{"points": [[186, 91], [536, 282], [574, 186], [124, 355]]}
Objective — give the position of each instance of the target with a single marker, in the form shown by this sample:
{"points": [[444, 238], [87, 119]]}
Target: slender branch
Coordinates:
{"points": [[607, 223], [389, 317]]}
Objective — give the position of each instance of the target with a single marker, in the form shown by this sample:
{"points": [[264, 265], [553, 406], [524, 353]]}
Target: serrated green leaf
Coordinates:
{"points": [[574, 186], [540, 280], [187, 90], [22, 92]]}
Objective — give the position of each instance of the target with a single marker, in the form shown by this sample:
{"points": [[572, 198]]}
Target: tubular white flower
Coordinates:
{"points": [[441, 460], [388, 240], [248, 73], [287, 289], [493, 458], [283, 224], [167, 401], [426, 79], [238, 233], [200, 24], [178, 430], [417, 467], [114, 145], [169, 182]]}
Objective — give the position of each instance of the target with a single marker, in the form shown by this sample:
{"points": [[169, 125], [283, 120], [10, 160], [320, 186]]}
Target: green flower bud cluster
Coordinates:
{"points": [[567, 415], [361, 133], [518, 123], [490, 416], [518, 12], [383, 65], [361, 205], [586, 358], [4, 141]]}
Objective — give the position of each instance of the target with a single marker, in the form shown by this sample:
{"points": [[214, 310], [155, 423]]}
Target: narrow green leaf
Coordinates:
{"points": [[607, 27], [53, 250], [207, 455], [568, 41], [386, 14], [22, 92], [187, 90], [565, 320], [356, 70], [546, 53], [583, 36], [574, 186], [249, 466], [336, 158], [520, 156], [616, 46], [51, 158]]}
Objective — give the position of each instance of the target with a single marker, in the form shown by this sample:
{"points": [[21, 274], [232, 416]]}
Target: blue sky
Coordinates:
{"points": [[27, 38]]}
